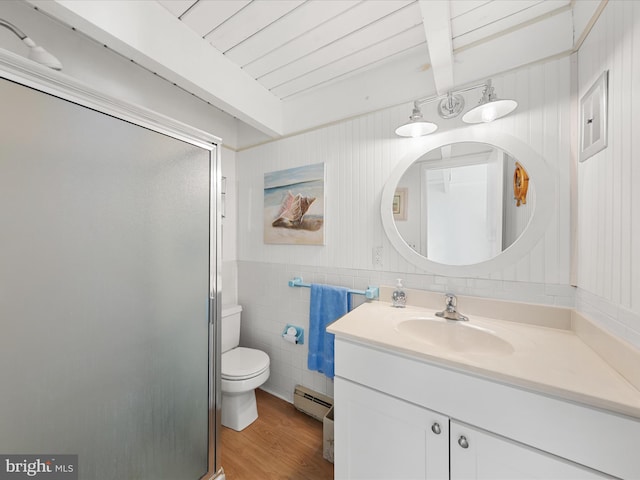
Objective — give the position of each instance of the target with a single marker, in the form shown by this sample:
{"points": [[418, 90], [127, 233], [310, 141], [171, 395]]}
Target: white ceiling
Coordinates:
{"points": [[293, 46], [271, 62]]}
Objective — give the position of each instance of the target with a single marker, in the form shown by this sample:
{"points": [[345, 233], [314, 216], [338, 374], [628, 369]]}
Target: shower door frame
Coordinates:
{"points": [[33, 75]]}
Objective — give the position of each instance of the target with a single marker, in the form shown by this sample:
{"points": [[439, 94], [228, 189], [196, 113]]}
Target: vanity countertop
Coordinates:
{"points": [[551, 361]]}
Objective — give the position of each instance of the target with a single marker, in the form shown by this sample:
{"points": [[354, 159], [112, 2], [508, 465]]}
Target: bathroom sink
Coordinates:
{"points": [[458, 336]]}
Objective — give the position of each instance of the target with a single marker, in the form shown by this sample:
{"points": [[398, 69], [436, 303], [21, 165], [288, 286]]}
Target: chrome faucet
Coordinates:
{"points": [[450, 312]]}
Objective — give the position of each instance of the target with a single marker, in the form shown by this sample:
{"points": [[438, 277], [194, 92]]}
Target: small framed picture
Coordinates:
{"points": [[400, 204], [593, 118]]}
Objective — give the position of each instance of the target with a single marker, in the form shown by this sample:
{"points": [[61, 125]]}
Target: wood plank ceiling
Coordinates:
{"points": [[294, 46]]}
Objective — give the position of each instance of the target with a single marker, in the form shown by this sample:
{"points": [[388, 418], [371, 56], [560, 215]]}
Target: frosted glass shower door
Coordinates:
{"points": [[104, 291]]}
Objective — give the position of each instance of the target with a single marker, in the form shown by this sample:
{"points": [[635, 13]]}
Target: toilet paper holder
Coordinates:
{"points": [[293, 334]]}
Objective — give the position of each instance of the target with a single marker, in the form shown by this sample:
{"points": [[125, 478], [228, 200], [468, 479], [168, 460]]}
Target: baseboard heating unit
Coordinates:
{"points": [[310, 402]]}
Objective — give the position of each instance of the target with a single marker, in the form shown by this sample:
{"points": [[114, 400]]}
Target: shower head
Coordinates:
{"points": [[40, 55], [36, 52]]}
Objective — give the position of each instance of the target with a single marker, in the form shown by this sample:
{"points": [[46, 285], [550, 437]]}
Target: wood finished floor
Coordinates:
{"points": [[282, 443]]}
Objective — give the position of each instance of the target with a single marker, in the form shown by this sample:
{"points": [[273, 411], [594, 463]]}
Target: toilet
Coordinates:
{"points": [[243, 370]]}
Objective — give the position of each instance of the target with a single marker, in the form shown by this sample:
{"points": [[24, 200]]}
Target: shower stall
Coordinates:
{"points": [[109, 283]]}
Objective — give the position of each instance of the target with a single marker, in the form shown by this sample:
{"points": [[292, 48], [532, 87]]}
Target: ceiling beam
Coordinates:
{"points": [[150, 35], [436, 19]]}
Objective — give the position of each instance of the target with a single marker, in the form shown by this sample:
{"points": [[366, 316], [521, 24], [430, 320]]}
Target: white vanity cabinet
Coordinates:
{"points": [[397, 417], [382, 437]]}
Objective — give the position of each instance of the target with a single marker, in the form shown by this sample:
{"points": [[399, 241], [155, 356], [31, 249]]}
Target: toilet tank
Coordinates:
{"points": [[230, 326]]}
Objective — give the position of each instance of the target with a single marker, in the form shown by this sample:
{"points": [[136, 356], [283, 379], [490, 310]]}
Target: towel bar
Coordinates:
{"points": [[371, 292]]}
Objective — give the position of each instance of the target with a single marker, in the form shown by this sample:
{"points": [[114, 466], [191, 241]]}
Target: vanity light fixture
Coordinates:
{"points": [[416, 126], [451, 105], [36, 52], [490, 107]]}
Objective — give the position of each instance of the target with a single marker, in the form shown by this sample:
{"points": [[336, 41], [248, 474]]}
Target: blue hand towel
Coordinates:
{"points": [[328, 303]]}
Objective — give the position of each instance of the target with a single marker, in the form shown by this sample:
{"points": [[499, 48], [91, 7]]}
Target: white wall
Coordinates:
{"points": [[359, 154], [608, 259]]}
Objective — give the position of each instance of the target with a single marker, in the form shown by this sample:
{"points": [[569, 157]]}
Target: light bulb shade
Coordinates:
{"points": [[489, 111], [416, 128]]}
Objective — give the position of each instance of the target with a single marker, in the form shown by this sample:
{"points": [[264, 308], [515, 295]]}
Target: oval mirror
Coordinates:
{"points": [[467, 202]]}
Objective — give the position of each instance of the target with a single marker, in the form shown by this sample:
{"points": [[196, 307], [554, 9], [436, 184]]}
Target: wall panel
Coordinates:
{"points": [[359, 155], [608, 257]]}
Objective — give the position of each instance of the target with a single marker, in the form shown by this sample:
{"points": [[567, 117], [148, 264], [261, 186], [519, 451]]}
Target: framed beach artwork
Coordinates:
{"points": [[294, 206]]}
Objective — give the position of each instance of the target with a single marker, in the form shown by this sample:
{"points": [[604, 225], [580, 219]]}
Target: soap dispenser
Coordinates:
{"points": [[399, 297]]}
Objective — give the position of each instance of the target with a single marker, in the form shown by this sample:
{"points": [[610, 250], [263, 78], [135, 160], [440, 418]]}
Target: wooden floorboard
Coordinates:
{"points": [[282, 443]]}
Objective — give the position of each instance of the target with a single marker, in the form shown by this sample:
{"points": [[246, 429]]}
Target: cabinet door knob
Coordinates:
{"points": [[462, 441], [435, 428]]}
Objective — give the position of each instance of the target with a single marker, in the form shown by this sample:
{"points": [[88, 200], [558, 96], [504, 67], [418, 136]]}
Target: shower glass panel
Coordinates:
{"points": [[104, 291]]}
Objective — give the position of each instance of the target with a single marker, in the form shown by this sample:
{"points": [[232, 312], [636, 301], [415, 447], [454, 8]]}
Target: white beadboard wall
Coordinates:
{"points": [[608, 259], [359, 154]]}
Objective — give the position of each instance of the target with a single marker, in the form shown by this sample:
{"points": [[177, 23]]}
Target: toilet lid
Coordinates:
{"points": [[241, 363]]}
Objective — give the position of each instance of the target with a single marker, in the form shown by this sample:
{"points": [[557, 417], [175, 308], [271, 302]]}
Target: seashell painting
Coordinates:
{"points": [[292, 210], [294, 206]]}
